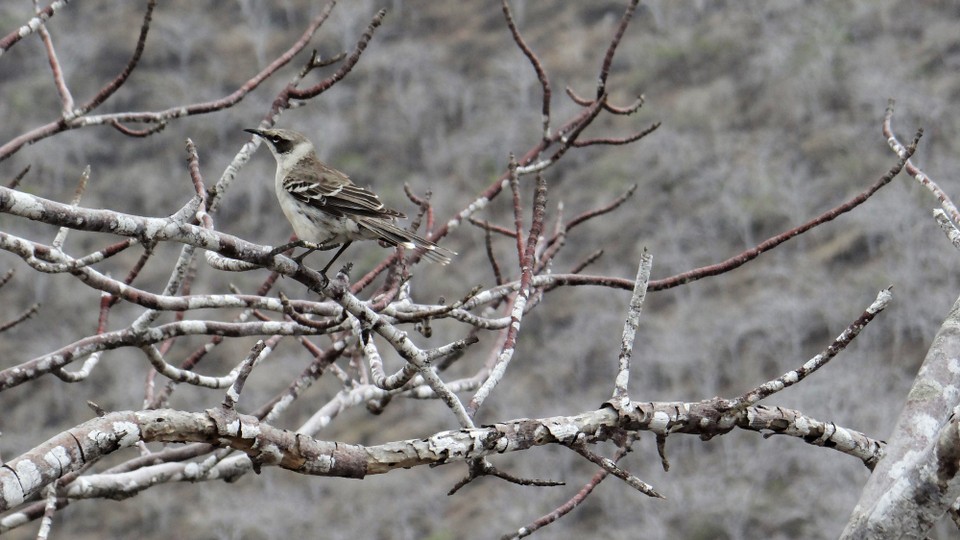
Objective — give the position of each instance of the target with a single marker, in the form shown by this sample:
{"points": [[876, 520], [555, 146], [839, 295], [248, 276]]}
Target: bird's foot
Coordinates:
{"points": [[311, 247], [287, 247]]}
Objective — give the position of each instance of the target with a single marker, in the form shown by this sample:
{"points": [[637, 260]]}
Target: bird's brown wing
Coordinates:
{"points": [[395, 236], [332, 191]]}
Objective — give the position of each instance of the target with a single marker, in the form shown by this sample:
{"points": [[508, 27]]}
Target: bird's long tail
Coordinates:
{"points": [[395, 236]]}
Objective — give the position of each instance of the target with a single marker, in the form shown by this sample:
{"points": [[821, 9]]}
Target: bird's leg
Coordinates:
{"points": [[291, 245], [310, 249], [343, 248]]}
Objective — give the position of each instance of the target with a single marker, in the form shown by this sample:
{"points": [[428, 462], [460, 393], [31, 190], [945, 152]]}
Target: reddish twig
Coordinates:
{"points": [[322, 359], [490, 227], [537, 66], [426, 209], [616, 141], [750, 254], [556, 242], [62, 124], [297, 317], [590, 259], [611, 467], [135, 271], [770, 243], [111, 87], [568, 138], [103, 317], [626, 110], [621, 111], [185, 288], [6, 277], [31, 26], [608, 57], [345, 68], [517, 208], [572, 503], [391, 288], [366, 280], [488, 194], [590, 214], [66, 100], [138, 133], [519, 300], [18, 178], [497, 274], [24, 315]]}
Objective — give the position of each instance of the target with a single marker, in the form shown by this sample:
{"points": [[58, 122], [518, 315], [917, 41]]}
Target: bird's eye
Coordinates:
{"points": [[275, 139]]}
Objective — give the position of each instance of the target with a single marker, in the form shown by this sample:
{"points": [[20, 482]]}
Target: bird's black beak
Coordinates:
{"points": [[254, 131]]}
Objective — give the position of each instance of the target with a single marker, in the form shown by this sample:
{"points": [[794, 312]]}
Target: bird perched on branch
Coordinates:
{"points": [[327, 209]]}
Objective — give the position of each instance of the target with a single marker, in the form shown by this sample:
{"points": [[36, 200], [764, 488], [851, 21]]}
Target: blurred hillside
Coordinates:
{"points": [[771, 115]]}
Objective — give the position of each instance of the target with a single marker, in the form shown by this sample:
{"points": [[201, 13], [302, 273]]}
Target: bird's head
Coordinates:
{"points": [[284, 144]]}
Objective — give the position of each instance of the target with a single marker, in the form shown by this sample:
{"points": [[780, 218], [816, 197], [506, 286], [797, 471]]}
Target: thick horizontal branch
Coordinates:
{"points": [[33, 253], [128, 337], [23, 477], [150, 230]]}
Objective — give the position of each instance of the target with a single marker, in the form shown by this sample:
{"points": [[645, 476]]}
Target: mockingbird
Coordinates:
{"points": [[327, 209]]}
